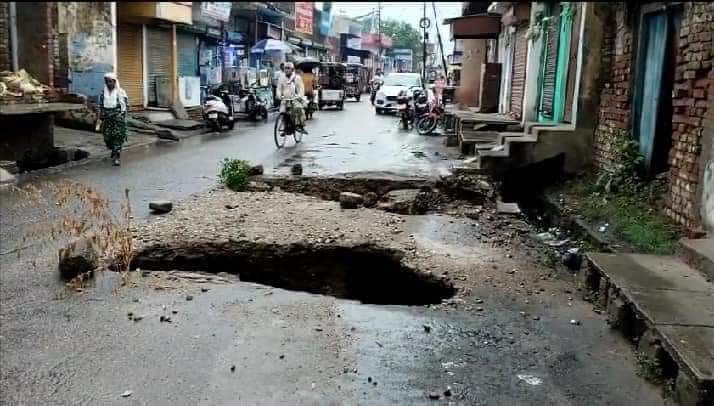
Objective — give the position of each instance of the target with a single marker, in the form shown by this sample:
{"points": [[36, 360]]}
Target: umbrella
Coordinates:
{"points": [[307, 62], [270, 45]]}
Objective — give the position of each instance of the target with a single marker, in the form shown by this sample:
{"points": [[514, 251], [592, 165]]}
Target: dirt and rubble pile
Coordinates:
{"points": [[21, 85]]}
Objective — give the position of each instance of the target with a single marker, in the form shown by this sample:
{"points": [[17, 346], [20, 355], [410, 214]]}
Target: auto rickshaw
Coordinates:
{"points": [[331, 77], [354, 80], [307, 68]]}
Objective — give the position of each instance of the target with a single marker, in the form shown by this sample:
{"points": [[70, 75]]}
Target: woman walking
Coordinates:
{"points": [[113, 104]]}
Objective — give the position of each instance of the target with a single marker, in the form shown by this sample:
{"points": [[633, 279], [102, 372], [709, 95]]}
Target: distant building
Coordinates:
{"points": [[403, 60]]}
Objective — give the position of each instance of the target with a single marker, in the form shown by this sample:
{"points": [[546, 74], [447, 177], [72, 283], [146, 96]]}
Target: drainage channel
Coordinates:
{"points": [[370, 274]]}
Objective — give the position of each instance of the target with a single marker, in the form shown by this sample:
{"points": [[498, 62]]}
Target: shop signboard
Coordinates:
{"points": [[220, 11], [303, 17], [234, 37]]}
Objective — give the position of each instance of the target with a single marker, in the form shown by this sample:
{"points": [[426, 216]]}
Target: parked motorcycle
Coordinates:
{"points": [[427, 122], [253, 104], [411, 107], [218, 110], [421, 102], [405, 109]]}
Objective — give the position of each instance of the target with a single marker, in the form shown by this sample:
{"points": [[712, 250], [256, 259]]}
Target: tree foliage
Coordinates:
{"points": [[403, 34]]}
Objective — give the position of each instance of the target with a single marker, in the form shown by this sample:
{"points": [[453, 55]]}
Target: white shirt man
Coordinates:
{"points": [[290, 86]]}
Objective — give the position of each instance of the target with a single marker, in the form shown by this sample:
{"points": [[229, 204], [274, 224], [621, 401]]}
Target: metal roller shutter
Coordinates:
{"points": [[187, 54], [550, 66], [130, 69], [158, 54], [518, 75]]}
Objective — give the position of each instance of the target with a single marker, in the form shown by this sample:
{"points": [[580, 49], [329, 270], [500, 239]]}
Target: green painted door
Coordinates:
{"points": [[553, 78]]}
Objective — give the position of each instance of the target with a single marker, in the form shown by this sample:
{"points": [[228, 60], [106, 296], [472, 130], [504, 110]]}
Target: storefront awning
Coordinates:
{"points": [[477, 26]]}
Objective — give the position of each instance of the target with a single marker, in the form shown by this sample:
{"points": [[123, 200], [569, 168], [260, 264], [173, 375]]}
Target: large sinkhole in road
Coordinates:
{"points": [[370, 274]]}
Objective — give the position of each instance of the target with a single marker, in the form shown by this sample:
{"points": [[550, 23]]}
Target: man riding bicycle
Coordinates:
{"points": [[290, 86]]}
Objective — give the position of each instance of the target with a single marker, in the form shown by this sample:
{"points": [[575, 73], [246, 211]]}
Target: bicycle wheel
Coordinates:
{"points": [[279, 133]]}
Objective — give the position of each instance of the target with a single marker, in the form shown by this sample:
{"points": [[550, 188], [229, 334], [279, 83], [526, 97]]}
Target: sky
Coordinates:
{"points": [[409, 12]]}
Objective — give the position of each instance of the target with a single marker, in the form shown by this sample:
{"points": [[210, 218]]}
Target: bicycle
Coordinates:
{"points": [[284, 125]]}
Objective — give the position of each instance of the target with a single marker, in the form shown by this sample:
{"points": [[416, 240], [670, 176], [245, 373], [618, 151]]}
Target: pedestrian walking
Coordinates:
{"points": [[113, 104], [439, 85]]}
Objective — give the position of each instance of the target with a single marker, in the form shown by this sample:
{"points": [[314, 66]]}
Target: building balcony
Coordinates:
{"points": [[143, 12]]}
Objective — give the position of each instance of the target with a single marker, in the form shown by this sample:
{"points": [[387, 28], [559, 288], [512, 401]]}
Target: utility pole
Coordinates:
{"points": [[379, 35], [441, 44], [423, 49]]}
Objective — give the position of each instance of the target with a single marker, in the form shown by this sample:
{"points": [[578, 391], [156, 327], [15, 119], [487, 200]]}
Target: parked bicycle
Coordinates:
{"points": [[285, 126]]}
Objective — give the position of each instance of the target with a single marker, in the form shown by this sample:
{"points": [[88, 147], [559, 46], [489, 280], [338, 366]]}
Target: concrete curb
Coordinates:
{"points": [[646, 304]]}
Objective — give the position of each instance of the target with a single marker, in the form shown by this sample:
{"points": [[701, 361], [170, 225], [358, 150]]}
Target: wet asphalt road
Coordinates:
{"points": [[352, 140], [288, 347]]}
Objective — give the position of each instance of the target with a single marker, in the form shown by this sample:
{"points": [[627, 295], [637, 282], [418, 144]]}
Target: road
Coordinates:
{"points": [[58, 347]]}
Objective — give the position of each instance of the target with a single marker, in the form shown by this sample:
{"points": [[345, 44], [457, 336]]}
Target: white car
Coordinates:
{"points": [[386, 98]]}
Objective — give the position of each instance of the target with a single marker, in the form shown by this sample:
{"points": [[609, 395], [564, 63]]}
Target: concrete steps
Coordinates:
{"points": [[504, 139], [699, 254], [666, 307]]}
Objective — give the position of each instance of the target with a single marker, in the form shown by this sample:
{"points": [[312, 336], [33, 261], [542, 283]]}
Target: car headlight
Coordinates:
{"points": [[380, 94]]}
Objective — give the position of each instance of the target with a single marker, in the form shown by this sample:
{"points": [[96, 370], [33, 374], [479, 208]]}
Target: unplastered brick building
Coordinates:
{"points": [[657, 90]]}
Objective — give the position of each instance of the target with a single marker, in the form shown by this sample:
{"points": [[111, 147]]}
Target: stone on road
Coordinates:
{"points": [[349, 200], [404, 201], [370, 199], [161, 206], [256, 170]]}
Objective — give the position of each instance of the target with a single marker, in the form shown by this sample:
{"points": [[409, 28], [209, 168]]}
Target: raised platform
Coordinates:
{"points": [[37, 108], [668, 308], [699, 254]]}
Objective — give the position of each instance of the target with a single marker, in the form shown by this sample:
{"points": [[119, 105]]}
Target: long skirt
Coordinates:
{"points": [[114, 130]]}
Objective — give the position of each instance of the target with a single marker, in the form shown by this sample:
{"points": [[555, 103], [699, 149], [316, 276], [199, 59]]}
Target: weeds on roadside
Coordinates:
{"points": [[631, 213], [73, 210], [627, 202], [234, 174], [649, 368]]}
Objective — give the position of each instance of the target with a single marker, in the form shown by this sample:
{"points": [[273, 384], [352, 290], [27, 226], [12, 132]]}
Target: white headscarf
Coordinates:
{"points": [[115, 96]]}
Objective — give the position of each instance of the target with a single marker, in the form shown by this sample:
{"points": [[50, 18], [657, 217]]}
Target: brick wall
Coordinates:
{"points": [[5, 54], [35, 40], [693, 80], [614, 111]]}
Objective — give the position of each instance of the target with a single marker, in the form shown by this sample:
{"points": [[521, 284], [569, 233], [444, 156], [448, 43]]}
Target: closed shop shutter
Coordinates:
{"points": [[187, 54], [158, 50], [518, 75], [550, 67], [130, 64]]}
